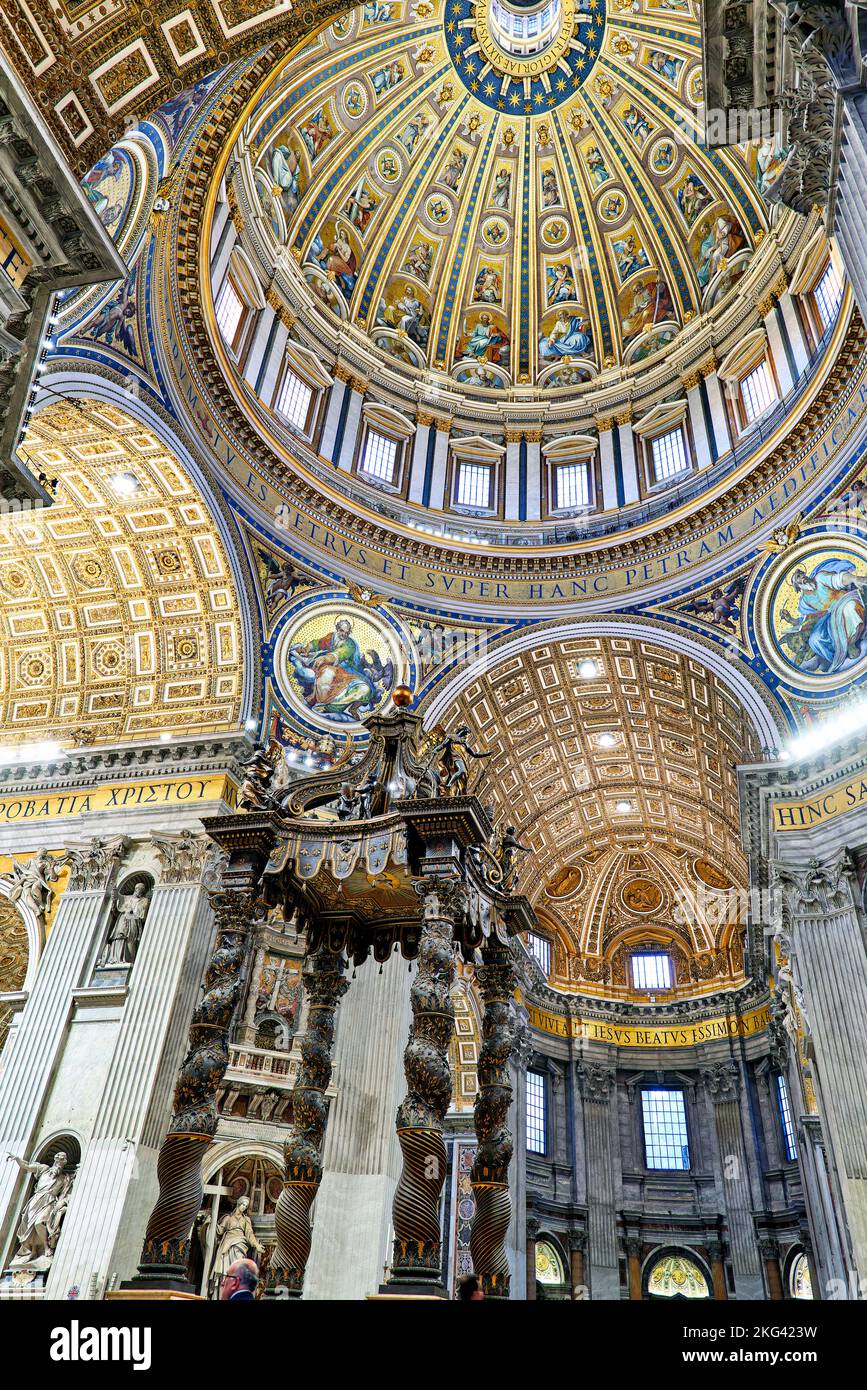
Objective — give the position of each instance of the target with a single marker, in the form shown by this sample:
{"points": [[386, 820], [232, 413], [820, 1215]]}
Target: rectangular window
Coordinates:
{"points": [[380, 456], [665, 1138], [828, 294], [572, 487], [757, 391], [651, 970], [540, 947], [293, 401], [669, 455], [229, 309], [786, 1118], [474, 485], [536, 1127]]}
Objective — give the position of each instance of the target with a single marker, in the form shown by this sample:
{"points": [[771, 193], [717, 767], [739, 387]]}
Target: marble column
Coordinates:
{"points": [[722, 1083], [532, 1236], [361, 1157], [771, 1255], [521, 1052], [795, 331], [597, 1084], [116, 1182], [633, 1257], [777, 344], [828, 954], [716, 1253], [66, 960], [577, 1249], [490, 1173], [263, 336], [272, 360]]}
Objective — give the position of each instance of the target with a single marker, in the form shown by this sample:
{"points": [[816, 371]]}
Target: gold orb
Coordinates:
{"points": [[402, 696]]}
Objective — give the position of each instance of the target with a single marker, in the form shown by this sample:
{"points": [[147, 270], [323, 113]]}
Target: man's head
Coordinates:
{"points": [[243, 1275], [60, 1160], [242, 1204]]}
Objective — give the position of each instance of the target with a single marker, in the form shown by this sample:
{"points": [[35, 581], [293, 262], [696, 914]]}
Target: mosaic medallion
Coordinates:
{"points": [[812, 614], [337, 662]]}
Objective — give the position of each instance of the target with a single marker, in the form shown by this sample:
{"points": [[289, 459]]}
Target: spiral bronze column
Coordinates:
{"points": [[490, 1171], [324, 986], [179, 1168], [417, 1257]]}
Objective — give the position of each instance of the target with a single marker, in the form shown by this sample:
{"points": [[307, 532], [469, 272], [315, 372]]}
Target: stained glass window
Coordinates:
{"points": [[666, 1143], [536, 1113], [549, 1266], [674, 1276], [800, 1283]]}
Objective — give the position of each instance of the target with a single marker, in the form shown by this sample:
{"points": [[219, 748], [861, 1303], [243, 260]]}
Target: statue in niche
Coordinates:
{"points": [[131, 909], [42, 1217], [31, 883], [236, 1240]]}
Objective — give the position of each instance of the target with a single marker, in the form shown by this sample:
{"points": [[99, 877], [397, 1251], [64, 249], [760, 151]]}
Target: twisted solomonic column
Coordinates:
{"points": [[417, 1257], [490, 1171], [324, 986], [194, 1119]]}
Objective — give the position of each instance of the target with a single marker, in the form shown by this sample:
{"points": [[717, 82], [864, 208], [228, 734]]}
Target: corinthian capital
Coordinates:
{"points": [[722, 1081], [92, 865], [182, 857], [819, 886], [596, 1081]]}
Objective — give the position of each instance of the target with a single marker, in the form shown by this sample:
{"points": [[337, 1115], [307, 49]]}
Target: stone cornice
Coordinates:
{"points": [[130, 761]]}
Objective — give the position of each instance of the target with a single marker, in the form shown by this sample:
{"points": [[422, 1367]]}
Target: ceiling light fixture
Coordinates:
{"points": [[588, 669], [623, 808], [606, 740]]}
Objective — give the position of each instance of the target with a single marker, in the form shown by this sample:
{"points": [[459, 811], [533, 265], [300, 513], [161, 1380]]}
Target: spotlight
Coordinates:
{"points": [[606, 740], [623, 808], [587, 669]]}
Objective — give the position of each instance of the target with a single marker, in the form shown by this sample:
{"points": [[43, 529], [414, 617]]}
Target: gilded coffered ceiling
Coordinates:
{"points": [[616, 758], [119, 613]]}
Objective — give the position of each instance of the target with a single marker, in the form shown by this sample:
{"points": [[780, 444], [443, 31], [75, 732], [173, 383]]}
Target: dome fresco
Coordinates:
{"points": [[507, 216]]}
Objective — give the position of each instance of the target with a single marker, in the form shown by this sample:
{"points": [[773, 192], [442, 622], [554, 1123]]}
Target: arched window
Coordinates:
{"points": [[800, 1283], [549, 1266], [675, 1276]]}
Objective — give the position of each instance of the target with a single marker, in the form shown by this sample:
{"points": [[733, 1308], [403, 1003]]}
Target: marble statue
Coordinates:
{"points": [[42, 1217], [510, 847], [236, 1240], [31, 883], [452, 752], [131, 909]]}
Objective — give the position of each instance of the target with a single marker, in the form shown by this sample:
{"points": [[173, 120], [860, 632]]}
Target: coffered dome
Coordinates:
{"points": [[511, 194]]}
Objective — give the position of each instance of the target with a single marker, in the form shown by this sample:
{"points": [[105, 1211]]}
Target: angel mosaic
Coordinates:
{"points": [[629, 256], [559, 282], [336, 257], [286, 177], [407, 314], [721, 238], [488, 287], [692, 197], [387, 78], [360, 207], [484, 339], [316, 132], [550, 188]]}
